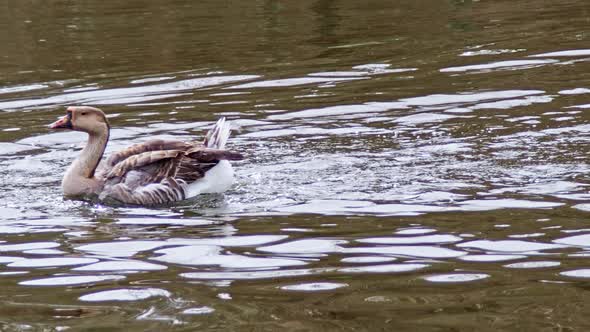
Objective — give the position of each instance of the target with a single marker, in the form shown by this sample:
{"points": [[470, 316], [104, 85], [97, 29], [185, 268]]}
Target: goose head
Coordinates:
{"points": [[83, 118]]}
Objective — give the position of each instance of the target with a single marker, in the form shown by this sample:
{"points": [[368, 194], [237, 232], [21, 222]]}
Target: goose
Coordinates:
{"points": [[151, 173]]}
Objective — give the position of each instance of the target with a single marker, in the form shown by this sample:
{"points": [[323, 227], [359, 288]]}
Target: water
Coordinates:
{"points": [[409, 165]]}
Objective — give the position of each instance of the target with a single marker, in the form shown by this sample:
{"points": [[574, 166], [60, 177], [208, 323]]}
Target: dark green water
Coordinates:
{"points": [[411, 166]]}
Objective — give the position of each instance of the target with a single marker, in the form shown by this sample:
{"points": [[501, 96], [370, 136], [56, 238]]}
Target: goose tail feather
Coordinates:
{"points": [[217, 136]]}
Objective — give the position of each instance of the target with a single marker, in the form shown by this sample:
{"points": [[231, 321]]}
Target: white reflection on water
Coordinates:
{"points": [[126, 95], [386, 268], [211, 255], [314, 287], [493, 204], [9, 259], [198, 311], [409, 251], [230, 241], [120, 248], [457, 277], [509, 245], [126, 294], [576, 240], [51, 262], [568, 53], [439, 238], [28, 246], [392, 158], [308, 246], [293, 82], [247, 275], [533, 265], [577, 91], [511, 64], [489, 51], [583, 207], [121, 265], [70, 280], [491, 258], [414, 231], [165, 221], [580, 273], [367, 259]]}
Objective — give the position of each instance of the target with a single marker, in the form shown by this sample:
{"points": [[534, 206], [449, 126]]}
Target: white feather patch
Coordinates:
{"points": [[218, 179]]}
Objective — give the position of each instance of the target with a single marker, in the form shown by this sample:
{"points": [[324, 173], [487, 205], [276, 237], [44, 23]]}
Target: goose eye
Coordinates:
{"points": [[83, 113]]}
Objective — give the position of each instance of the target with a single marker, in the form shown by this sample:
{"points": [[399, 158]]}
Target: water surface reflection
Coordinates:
{"points": [[416, 164]]}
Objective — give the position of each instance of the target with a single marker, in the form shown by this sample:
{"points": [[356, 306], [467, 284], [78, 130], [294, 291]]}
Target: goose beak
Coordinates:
{"points": [[63, 123]]}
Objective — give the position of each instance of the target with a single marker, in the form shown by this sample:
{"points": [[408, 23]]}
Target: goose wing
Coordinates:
{"points": [[158, 171], [151, 145], [199, 160], [152, 166]]}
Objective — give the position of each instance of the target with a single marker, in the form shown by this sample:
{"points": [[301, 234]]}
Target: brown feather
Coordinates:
{"points": [[151, 145], [191, 170], [207, 155], [140, 160]]}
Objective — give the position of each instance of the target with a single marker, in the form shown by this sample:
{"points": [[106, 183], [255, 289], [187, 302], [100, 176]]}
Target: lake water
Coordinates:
{"points": [[410, 165]]}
